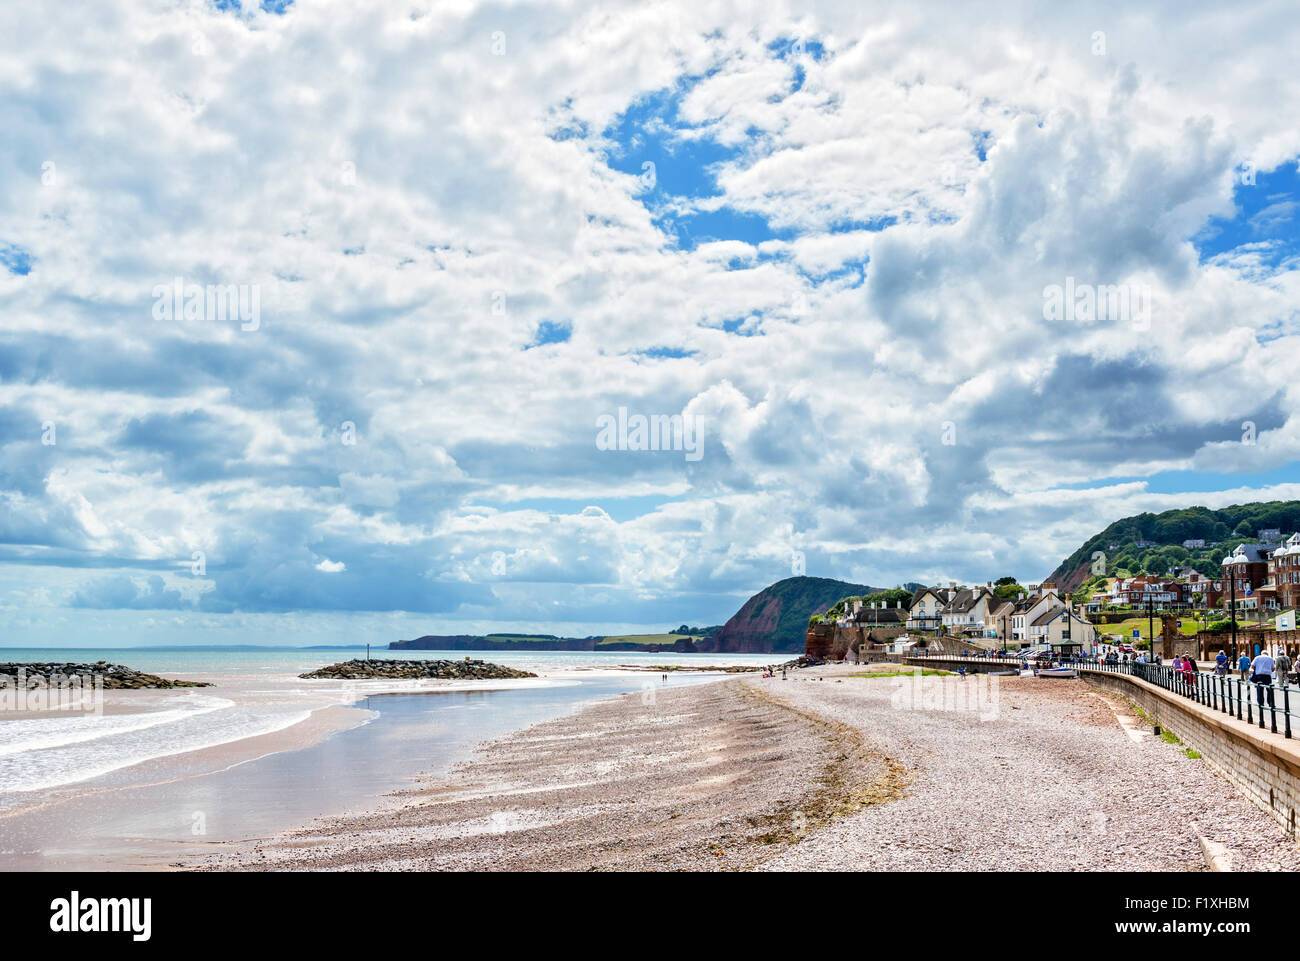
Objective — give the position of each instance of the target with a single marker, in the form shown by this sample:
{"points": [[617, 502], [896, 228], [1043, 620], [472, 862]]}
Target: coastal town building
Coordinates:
{"points": [[1137, 591], [1029, 608], [966, 611], [1182, 587], [1246, 570], [925, 612], [1203, 591], [863, 613], [1038, 616], [1063, 628], [1281, 587], [997, 622]]}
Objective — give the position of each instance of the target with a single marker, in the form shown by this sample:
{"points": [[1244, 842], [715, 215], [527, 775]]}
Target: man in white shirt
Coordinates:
{"points": [[1261, 675]]}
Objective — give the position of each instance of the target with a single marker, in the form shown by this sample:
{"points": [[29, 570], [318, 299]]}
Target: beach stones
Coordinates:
{"points": [[467, 669], [113, 676]]}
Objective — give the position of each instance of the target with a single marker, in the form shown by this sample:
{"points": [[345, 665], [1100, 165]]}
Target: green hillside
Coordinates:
{"points": [[1152, 543], [776, 618]]}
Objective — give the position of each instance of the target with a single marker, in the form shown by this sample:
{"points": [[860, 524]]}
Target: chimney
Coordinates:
{"points": [[952, 585]]}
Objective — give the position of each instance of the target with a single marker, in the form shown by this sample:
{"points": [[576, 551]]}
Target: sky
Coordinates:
{"points": [[330, 323]]}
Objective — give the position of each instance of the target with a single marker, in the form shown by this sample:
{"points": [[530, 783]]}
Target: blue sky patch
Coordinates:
{"points": [[619, 508], [678, 165], [743, 327], [661, 353], [1196, 481], [270, 6], [1267, 215], [16, 260], [550, 332]]}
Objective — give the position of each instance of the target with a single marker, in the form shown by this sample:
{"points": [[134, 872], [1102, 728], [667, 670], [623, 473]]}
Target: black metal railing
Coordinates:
{"points": [[1255, 702]]}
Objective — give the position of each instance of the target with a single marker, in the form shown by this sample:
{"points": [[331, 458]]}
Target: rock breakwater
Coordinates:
{"points": [[467, 669], [112, 676]]}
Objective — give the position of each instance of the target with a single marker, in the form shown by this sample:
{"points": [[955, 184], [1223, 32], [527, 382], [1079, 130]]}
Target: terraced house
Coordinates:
{"points": [[967, 610], [1029, 608], [1062, 628], [925, 612], [1247, 570], [1281, 587]]}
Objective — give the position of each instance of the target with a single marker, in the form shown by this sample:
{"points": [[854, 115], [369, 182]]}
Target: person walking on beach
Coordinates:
{"points": [[1261, 675]]}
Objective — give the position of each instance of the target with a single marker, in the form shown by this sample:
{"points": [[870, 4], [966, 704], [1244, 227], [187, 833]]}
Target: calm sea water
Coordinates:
{"points": [[191, 662]]}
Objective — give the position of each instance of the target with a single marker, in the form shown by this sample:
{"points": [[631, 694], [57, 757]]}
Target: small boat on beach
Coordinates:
{"points": [[1058, 672]]}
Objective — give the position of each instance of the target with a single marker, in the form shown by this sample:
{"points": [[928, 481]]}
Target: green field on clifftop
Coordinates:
{"points": [[666, 640]]}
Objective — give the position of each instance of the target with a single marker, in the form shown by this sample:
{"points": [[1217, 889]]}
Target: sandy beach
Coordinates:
{"points": [[717, 776], [825, 771]]}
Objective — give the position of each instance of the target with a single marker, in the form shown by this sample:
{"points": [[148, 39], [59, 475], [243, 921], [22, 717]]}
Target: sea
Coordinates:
{"points": [[131, 786]]}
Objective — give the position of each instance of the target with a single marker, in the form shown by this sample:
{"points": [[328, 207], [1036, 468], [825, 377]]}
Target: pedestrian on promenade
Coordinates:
{"points": [[1189, 673], [1261, 675], [1221, 663], [1243, 665], [1283, 665]]}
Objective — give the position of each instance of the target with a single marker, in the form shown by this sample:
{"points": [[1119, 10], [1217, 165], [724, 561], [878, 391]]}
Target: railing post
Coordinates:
{"points": [[1238, 680], [1286, 707]]}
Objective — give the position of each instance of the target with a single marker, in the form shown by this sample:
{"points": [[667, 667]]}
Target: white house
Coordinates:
{"points": [[966, 611], [925, 612], [1051, 628], [1028, 610]]}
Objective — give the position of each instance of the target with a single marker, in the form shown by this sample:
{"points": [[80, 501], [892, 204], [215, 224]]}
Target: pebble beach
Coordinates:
{"points": [[828, 770]]}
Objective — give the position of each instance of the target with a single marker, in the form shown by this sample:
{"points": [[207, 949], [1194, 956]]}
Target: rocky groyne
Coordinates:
{"points": [[101, 673], [467, 669]]}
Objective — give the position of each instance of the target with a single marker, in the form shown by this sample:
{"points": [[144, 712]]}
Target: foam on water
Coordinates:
{"points": [[44, 753], [33, 734]]}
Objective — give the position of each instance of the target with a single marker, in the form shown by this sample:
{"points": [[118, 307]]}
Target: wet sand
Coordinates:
{"points": [[344, 756], [715, 777]]}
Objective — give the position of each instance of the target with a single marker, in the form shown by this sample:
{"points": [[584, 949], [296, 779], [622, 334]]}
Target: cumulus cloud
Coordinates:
{"points": [[836, 261]]}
